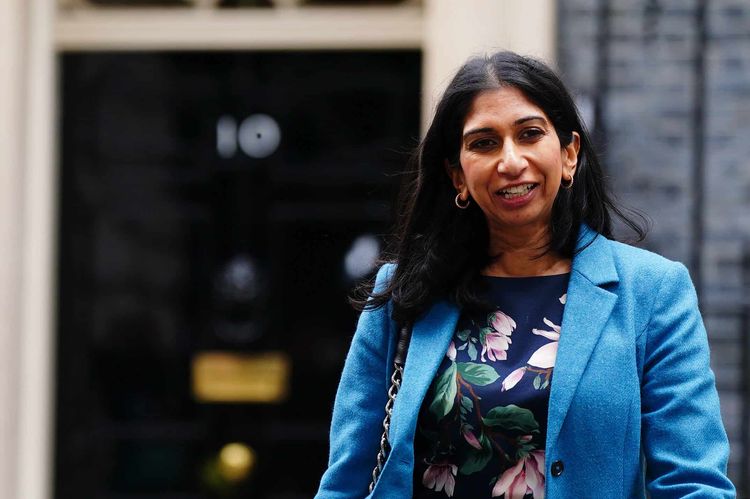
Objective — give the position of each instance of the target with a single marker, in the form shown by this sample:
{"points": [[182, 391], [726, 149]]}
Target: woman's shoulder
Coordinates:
{"points": [[633, 257], [597, 251], [384, 275], [647, 282], [386, 270], [643, 268], [605, 260]]}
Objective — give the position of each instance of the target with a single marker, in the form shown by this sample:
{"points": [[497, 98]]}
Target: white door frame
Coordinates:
{"points": [[27, 200]]}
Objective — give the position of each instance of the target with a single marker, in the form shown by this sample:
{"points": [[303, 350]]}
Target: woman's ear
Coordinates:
{"points": [[570, 156], [456, 174]]}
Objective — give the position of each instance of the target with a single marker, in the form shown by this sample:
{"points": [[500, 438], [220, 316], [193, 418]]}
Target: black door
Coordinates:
{"points": [[215, 210]]}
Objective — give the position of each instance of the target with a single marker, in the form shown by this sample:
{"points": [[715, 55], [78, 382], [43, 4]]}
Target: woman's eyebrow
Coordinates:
{"points": [[529, 118], [478, 130]]}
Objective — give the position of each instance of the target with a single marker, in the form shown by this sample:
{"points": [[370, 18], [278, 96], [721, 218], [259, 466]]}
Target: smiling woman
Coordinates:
{"points": [[513, 165], [545, 358]]}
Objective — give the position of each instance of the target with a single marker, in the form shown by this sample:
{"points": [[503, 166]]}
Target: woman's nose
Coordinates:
{"points": [[510, 162]]}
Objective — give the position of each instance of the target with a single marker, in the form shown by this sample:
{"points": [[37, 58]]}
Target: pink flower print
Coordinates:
{"points": [[508, 484], [502, 323], [527, 476], [534, 463], [496, 342], [550, 335], [495, 346], [470, 438], [512, 379], [545, 356], [439, 476], [518, 488], [451, 352]]}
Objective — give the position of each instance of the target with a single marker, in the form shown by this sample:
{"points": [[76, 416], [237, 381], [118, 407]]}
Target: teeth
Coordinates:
{"points": [[516, 191]]}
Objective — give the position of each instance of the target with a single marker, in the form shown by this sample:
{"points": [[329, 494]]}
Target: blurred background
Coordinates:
{"points": [[190, 188]]}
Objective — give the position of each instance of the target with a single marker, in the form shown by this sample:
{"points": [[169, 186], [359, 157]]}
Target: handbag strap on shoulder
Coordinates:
{"points": [[399, 359]]}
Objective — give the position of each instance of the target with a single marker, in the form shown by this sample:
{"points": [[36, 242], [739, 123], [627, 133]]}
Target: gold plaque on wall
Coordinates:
{"points": [[231, 377]]}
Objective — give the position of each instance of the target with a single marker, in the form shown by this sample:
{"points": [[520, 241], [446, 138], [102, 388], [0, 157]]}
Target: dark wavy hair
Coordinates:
{"points": [[440, 250]]}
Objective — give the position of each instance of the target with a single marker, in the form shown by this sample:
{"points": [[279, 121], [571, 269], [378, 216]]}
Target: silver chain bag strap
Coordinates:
{"points": [[398, 373]]}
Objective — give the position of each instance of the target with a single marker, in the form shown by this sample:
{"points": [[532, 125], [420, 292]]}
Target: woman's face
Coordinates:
{"points": [[512, 162]]}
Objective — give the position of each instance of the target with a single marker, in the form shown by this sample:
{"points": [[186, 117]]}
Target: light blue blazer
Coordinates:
{"points": [[633, 403]]}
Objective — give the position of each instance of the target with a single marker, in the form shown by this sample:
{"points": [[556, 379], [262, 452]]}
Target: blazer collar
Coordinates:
{"points": [[593, 258]]}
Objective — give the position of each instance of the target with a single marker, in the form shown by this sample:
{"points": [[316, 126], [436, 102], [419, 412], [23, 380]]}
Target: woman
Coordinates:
{"points": [[545, 358]]}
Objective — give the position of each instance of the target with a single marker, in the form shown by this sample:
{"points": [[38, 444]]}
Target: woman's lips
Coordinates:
{"points": [[515, 197]]}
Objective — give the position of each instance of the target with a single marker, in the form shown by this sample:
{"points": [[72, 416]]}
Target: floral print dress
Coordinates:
{"points": [[482, 426]]}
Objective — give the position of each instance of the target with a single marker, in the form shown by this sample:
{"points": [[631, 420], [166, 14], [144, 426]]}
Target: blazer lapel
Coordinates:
{"points": [[429, 343], [587, 310]]}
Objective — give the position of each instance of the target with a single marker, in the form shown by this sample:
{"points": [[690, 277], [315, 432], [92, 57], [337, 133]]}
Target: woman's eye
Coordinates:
{"points": [[482, 144], [532, 133]]}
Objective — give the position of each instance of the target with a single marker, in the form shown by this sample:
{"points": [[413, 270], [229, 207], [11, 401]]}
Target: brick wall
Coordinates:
{"points": [[639, 63]]}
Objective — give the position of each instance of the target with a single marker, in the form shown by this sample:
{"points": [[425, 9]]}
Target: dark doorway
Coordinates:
{"points": [[216, 209]]}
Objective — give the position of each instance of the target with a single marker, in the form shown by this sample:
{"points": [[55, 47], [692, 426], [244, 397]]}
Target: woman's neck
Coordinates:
{"points": [[520, 255]]}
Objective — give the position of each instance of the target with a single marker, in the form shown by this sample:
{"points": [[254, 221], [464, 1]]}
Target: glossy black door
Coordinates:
{"points": [[215, 202]]}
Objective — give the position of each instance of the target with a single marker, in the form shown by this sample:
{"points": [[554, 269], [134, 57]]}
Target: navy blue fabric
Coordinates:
{"points": [[532, 303]]}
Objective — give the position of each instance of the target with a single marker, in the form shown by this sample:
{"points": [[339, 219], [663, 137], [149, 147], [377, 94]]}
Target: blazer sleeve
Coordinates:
{"points": [[358, 410], [684, 442]]}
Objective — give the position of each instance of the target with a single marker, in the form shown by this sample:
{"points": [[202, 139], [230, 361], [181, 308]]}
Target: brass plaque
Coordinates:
{"points": [[240, 377]]}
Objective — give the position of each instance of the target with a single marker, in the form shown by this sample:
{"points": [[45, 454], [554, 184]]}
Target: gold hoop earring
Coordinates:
{"points": [[568, 185], [458, 202]]}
